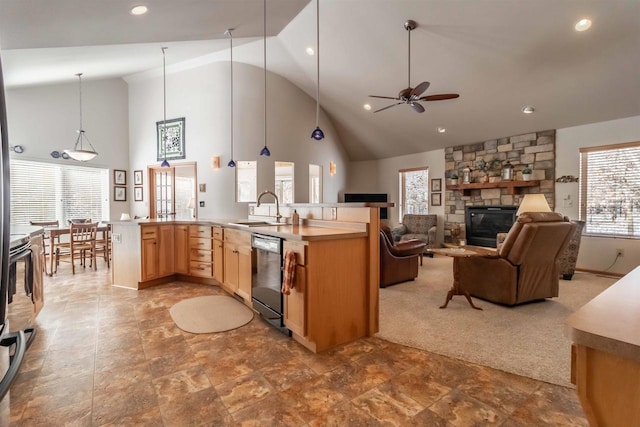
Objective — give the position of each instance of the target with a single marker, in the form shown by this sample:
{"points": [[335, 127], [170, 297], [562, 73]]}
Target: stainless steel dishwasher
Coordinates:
{"points": [[266, 280]]}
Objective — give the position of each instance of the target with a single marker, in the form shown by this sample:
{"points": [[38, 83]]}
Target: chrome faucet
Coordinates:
{"points": [[278, 216]]}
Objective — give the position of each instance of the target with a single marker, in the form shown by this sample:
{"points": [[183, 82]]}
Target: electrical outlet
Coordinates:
{"points": [[116, 238], [619, 252]]}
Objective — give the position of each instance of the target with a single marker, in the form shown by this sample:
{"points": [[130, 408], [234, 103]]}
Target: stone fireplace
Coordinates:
{"points": [[533, 150]]}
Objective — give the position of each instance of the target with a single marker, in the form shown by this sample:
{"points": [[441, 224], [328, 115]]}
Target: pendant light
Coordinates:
{"points": [[265, 150], [165, 163], [232, 163], [317, 133], [79, 152]]}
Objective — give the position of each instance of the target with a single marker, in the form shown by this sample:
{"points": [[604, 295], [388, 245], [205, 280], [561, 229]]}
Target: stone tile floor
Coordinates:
{"points": [[109, 356]]}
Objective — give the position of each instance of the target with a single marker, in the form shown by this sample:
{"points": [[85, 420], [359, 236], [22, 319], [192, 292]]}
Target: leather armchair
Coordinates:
{"points": [[398, 262], [421, 227], [567, 261], [526, 265]]}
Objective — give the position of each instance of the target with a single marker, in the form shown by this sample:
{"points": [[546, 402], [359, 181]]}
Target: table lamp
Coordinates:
{"points": [[125, 217], [533, 203]]}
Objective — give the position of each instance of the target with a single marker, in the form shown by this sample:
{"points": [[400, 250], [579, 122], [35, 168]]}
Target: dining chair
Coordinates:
{"points": [[46, 242], [82, 242], [103, 245], [79, 221]]}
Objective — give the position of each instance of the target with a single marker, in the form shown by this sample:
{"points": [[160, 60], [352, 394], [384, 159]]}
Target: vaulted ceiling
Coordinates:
{"points": [[499, 55]]}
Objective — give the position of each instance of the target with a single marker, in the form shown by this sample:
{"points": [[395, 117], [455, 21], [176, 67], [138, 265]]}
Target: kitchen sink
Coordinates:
{"points": [[250, 223]]}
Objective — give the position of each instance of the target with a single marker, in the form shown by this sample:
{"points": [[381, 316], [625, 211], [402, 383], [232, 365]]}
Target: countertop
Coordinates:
{"points": [[21, 233], [611, 321], [308, 232]]}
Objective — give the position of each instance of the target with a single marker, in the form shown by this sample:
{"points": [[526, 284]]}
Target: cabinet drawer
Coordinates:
{"points": [[200, 231], [299, 249], [201, 269], [217, 233], [198, 255], [149, 232], [199, 243], [242, 238]]}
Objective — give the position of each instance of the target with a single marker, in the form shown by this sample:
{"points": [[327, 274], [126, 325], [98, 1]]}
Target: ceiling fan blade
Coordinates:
{"points": [[417, 107], [418, 90], [439, 97], [389, 106], [383, 97]]}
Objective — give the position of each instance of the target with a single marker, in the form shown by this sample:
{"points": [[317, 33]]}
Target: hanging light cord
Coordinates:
{"points": [[231, 50], [409, 55], [80, 85], [317, 62], [164, 96], [264, 49]]}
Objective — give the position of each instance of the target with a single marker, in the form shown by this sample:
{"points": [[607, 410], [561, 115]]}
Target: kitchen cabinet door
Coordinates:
{"points": [[149, 259], [244, 273], [230, 267], [165, 251], [295, 304], [218, 261], [181, 249]]}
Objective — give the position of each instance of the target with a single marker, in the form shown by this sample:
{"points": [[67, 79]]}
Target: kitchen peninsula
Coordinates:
{"points": [[335, 295]]}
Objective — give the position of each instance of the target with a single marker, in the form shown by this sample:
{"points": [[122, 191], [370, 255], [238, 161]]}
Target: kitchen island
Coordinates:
{"points": [[335, 295]]}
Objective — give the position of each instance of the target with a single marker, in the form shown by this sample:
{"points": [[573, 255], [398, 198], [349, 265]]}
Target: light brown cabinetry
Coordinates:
{"points": [[295, 304], [218, 254], [237, 263], [157, 251], [181, 250], [200, 251]]}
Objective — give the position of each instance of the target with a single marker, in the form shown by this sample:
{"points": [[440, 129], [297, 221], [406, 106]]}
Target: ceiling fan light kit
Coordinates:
{"points": [[317, 133], [411, 96]]}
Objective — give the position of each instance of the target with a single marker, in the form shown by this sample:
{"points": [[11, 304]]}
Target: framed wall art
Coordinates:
{"points": [[174, 146], [436, 199], [137, 177], [119, 177], [137, 194], [120, 194], [436, 184]]}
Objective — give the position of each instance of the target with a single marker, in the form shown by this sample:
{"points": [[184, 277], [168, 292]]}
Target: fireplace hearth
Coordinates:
{"points": [[483, 223]]}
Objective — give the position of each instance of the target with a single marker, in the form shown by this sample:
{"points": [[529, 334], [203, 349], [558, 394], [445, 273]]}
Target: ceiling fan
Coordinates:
{"points": [[411, 96]]}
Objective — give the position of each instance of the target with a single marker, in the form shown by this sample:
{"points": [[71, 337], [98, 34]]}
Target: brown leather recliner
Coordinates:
{"points": [[526, 266], [398, 262]]}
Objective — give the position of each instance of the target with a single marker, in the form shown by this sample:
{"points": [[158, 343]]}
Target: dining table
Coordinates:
{"points": [[54, 234]]}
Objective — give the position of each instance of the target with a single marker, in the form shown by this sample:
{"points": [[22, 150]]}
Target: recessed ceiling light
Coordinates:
{"points": [[528, 109], [583, 24], [310, 51], [367, 107], [441, 130], [139, 10]]}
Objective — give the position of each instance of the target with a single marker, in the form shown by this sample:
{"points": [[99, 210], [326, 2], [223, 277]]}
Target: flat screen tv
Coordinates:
{"points": [[368, 197]]}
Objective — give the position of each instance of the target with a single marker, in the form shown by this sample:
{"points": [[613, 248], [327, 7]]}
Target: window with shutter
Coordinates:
{"points": [[610, 190], [45, 191]]}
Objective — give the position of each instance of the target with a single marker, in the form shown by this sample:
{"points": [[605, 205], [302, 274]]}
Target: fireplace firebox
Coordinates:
{"points": [[483, 223]]}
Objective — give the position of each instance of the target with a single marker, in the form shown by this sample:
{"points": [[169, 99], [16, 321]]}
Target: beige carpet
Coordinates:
{"points": [[203, 315], [526, 340]]}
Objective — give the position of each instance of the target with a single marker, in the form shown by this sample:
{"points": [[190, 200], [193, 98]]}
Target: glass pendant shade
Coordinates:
{"points": [[317, 134], [165, 164], [231, 164], [79, 152], [265, 151]]}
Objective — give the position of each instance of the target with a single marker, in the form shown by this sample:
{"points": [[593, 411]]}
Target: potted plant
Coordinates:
{"points": [[485, 167], [453, 179], [526, 173]]}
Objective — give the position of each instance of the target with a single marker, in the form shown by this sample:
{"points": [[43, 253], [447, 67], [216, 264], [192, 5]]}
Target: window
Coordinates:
{"points": [[315, 184], [610, 190], [414, 194], [284, 181], [60, 192], [247, 181]]}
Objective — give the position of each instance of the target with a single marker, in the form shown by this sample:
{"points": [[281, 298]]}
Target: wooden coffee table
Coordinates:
{"points": [[458, 253]]}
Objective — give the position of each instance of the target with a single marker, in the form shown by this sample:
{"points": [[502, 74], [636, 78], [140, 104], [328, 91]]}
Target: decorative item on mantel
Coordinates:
{"points": [[526, 174], [453, 178], [466, 175], [507, 171], [485, 167], [567, 178]]}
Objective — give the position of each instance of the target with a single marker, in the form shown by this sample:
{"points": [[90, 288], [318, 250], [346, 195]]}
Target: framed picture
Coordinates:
{"points": [[137, 177], [137, 194], [120, 194], [119, 177], [436, 184], [436, 199], [174, 144]]}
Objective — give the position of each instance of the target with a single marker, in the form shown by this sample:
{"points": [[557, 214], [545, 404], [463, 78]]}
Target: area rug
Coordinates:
{"points": [[527, 340], [216, 313]]}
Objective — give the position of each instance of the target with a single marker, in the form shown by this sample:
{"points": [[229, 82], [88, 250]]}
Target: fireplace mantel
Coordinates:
{"points": [[513, 187]]}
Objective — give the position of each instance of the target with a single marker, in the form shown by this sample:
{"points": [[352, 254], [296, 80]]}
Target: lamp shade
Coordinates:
{"points": [[533, 203], [125, 217]]}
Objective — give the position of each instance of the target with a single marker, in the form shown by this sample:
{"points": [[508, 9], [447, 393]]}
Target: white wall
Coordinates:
{"points": [[202, 96], [381, 176], [596, 253], [46, 118]]}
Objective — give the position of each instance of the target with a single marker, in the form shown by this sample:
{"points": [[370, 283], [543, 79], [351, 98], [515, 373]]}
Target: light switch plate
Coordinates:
{"points": [[334, 213], [116, 238]]}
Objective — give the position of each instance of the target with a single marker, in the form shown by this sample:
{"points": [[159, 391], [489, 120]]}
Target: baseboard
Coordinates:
{"points": [[601, 273]]}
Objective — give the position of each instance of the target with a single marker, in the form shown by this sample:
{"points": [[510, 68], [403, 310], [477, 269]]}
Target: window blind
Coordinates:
{"points": [[610, 190], [414, 192], [45, 191]]}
